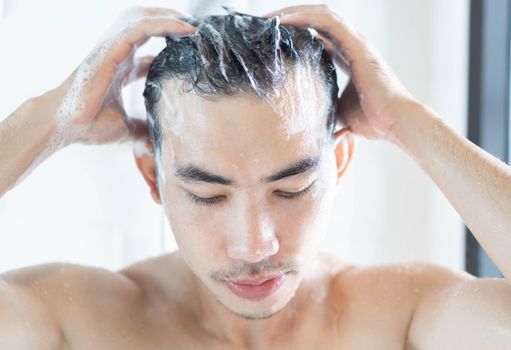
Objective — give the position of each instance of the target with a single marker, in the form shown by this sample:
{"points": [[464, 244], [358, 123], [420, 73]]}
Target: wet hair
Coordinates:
{"points": [[235, 54]]}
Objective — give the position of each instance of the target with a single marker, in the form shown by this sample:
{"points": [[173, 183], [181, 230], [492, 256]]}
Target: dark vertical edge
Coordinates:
{"points": [[489, 99], [474, 107], [508, 158]]}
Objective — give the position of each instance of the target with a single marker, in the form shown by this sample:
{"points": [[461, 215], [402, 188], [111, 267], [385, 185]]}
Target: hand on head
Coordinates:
{"points": [[88, 104], [374, 101]]}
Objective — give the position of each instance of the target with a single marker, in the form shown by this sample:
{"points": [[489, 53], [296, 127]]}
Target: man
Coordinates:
{"points": [[246, 174]]}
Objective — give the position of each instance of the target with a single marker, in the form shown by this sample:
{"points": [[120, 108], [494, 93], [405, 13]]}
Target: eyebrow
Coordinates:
{"points": [[192, 173]]}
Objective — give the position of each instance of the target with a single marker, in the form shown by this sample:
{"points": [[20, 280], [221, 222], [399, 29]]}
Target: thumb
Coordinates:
{"points": [[348, 108], [138, 129]]}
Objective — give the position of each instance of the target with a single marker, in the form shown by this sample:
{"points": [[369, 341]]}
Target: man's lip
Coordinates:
{"points": [[255, 282], [266, 287]]}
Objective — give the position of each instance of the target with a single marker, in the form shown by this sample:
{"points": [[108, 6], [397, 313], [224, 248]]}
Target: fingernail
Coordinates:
{"points": [[287, 15], [190, 27]]}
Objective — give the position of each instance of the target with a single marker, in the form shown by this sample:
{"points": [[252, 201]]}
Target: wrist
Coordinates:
{"points": [[410, 119], [41, 112]]}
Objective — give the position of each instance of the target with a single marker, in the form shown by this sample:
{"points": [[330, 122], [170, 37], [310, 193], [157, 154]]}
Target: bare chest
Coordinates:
{"points": [[363, 330]]}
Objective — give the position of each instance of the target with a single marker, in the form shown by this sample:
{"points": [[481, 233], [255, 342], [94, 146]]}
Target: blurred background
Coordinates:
{"points": [[89, 204]]}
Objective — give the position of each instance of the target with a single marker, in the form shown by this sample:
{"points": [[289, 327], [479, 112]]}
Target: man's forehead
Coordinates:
{"points": [[295, 106]]}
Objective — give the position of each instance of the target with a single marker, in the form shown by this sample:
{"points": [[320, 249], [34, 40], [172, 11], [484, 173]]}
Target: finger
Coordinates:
{"points": [[331, 27], [298, 9], [325, 21], [157, 11], [327, 44], [99, 68], [109, 126], [348, 108], [351, 46], [336, 56], [144, 29], [137, 24], [138, 129], [140, 69]]}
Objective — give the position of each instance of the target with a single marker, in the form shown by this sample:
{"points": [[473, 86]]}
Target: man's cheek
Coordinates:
{"points": [[307, 227], [194, 232]]}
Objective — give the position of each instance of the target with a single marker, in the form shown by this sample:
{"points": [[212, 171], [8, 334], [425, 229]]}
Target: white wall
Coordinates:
{"points": [[389, 210], [89, 204]]}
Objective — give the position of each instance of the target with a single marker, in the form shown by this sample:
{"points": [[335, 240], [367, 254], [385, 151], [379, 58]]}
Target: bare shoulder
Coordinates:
{"points": [[402, 286], [464, 312], [384, 300], [43, 304], [441, 308], [418, 277], [61, 279], [71, 289], [68, 290], [162, 278]]}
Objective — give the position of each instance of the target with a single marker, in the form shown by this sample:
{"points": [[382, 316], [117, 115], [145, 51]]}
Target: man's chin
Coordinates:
{"points": [[253, 315], [257, 316], [258, 309]]}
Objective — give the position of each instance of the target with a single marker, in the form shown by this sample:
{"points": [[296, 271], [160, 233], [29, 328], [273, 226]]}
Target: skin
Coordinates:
{"points": [[325, 303]]}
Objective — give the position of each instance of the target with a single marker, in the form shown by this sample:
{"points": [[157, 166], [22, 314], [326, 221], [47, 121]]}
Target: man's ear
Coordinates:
{"points": [[146, 163], [344, 146]]}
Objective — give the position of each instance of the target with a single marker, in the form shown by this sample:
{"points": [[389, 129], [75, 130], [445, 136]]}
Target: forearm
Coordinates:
{"points": [[25, 141], [477, 184]]}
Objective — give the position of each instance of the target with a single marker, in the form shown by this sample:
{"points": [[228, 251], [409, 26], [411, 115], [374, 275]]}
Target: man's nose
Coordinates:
{"points": [[254, 238]]}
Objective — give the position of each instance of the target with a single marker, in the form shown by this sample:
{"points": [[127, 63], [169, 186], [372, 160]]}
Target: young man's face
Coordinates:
{"points": [[231, 152]]}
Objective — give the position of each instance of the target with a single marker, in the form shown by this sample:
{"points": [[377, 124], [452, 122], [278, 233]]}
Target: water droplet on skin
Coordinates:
{"points": [[67, 284]]}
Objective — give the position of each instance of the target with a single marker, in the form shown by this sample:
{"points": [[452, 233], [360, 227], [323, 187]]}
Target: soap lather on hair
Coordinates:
{"points": [[235, 54]]}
